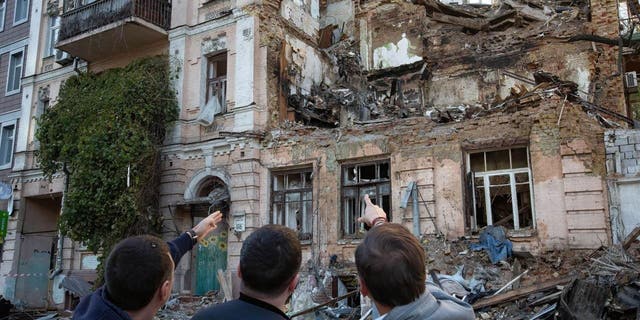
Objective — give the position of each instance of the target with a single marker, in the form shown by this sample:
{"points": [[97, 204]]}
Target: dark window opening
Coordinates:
{"points": [[501, 184], [372, 178], [217, 82], [292, 201]]}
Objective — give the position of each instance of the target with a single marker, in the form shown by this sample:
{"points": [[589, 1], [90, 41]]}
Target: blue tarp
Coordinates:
{"points": [[494, 240]]}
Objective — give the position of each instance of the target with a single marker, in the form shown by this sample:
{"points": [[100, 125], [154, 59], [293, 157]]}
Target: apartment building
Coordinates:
{"points": [[452, 116], [16, 19], [67, 38]]}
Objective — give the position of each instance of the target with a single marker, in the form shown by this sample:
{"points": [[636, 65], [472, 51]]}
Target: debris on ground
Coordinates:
{"points": [[183, 307], [494, 241]]}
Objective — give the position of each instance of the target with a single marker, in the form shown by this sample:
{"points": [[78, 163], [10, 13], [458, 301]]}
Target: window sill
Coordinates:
{"points": [[5, 166], [12, 92], [19, 22], [347, 241], [522, 233]]}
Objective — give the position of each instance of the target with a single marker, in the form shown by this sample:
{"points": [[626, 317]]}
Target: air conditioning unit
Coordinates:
{"points": [[63, 58], [631, 80]]}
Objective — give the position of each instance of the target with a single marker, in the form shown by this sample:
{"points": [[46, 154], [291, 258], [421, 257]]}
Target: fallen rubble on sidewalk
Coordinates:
{"points": [[183, 307], [570, 284], [604, 285]]}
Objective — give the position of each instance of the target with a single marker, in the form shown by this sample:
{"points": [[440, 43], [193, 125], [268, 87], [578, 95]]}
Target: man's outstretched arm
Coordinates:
{"points": [[185, 242]]}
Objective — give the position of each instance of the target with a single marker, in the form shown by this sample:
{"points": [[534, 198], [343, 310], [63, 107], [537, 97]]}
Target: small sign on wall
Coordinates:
{"points": [[239, 219], [88, 261]]}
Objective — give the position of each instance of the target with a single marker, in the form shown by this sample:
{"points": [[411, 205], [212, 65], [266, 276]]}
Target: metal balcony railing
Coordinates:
{"points": [[79, 18]]}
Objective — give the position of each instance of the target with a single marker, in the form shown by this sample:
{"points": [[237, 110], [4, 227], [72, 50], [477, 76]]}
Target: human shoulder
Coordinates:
{"points": [[235, 310], [219, 311]]}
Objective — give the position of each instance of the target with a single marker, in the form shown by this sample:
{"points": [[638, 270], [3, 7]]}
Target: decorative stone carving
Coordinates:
{"points": [[43, 93], [213, 45], [53, 7]]}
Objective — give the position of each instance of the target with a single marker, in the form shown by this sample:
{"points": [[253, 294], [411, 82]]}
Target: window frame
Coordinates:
{"points": [[52, 36], [211, 60], [487, 174], [376, 183], [13, 142], [275, 217], [11, 54], [3, 14], [15, 13]]}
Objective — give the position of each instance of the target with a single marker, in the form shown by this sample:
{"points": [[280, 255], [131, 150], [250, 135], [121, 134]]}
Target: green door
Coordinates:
{"points": [[211, 258]]}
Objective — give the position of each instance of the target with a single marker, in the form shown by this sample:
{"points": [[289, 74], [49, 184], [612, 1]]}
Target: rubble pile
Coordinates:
{"points": [[602, 284], [462, 37], [570, 284], [183, 307]]}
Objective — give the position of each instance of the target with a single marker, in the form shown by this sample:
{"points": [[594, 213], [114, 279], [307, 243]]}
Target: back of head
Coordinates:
{"points": [[391, 262], [135, 269], [270, 258]]}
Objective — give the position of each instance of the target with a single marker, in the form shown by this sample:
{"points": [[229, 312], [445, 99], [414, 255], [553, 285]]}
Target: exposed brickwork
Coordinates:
{"points": [[623, 152], [609, 82]]}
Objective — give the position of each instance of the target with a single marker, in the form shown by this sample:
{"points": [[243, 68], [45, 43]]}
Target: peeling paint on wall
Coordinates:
{"points": [[300, 13], [305, 65]]}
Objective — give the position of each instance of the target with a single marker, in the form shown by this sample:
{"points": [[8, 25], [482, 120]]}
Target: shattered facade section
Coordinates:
{"points": [[402, 59], [623, 180], [425, 89]]}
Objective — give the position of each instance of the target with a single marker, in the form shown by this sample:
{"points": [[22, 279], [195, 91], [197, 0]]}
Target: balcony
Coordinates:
{"points": [[100, 29]]}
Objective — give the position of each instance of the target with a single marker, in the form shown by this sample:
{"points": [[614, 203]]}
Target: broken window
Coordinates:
{"points": [[501, 184], [372, 178], [217, 81], [628, 19], [292, 201], [215, 101]]}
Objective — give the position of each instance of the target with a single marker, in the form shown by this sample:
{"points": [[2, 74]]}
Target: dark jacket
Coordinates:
{"points": [[97, 306], [244, 308]]}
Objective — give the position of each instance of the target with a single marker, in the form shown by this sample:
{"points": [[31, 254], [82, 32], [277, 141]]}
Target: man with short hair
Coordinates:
{"points": [[392, 272], [269, 262], [139, 275]]}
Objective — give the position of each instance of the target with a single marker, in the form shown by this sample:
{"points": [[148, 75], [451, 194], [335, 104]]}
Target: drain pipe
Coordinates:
{"points": [[58, 269]]}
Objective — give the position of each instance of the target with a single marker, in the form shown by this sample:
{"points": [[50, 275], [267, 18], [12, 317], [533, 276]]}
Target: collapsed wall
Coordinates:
{"points": [[424, 85]]}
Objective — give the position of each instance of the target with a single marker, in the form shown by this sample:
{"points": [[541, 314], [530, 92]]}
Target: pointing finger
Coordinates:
{"points": [[367, 201]]}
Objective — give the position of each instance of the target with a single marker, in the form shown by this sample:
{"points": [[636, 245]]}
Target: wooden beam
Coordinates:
{"points": [[635, 233], [520, 293], [314, 308], [282, 76], [527, 12], [469, 23]]}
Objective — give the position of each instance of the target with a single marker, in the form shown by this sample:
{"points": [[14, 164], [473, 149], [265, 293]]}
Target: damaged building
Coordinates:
{"points": [[450, 115], [494, 113]]}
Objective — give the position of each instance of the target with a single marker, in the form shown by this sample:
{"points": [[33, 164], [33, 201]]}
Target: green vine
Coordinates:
{"points": [[104, 128]]}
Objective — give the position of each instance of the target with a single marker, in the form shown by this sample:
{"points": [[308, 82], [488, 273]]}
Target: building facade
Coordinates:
{"points": [[450, 116], [16, 21]]}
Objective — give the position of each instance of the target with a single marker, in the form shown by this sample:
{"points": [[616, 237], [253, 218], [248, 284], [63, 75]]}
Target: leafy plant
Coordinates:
{"points": [[105, 128]]}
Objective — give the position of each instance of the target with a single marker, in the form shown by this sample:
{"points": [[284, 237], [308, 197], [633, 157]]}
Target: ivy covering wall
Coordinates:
{"points": [[105, 130]]}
